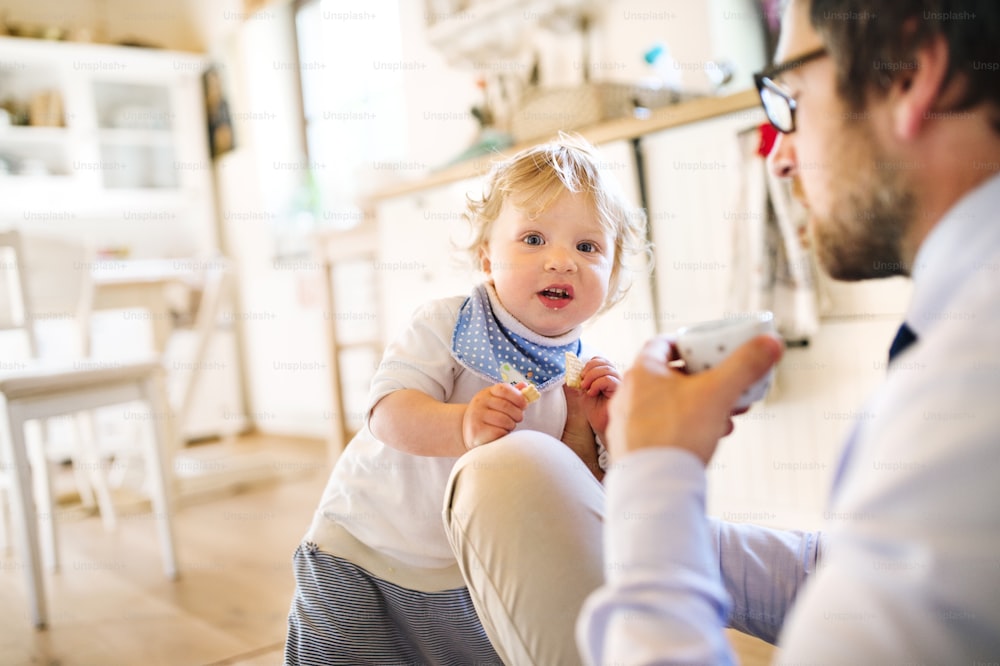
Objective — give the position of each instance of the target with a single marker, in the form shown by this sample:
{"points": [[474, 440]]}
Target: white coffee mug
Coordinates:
{"points": [[704, 345]]}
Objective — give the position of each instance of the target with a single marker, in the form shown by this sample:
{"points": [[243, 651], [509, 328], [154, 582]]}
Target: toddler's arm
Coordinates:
{"points": [[413, 422], [587, 412], [598, 382]]}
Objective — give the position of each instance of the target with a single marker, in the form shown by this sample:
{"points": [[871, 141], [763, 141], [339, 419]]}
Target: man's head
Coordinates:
{"points": [[890, 105], [873, 47]]}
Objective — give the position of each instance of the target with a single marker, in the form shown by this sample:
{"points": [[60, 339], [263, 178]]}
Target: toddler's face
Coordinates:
{"points": [[552, 271]]}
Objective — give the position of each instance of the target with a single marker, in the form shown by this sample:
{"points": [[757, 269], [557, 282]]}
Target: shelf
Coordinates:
{"points": [[31, 183], [666, 117], [135, 137], [40, 200], [40, 151], [27, 134]]}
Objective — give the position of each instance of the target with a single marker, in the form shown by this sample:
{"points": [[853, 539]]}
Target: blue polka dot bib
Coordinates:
{"points": [[487, 336]]}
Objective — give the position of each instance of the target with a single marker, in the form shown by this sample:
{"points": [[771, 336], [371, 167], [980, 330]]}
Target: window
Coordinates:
{"points": [[352, 100], [354, 118]]}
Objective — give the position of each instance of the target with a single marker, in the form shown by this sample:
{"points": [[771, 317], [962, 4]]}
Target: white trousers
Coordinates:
{"points": [[524, 516]]}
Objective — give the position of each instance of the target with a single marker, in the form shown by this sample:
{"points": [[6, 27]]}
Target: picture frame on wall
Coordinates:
{"points": [[221, 139], [771, 14]]}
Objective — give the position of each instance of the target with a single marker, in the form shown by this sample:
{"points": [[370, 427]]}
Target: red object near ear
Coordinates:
{"points": [[768, 135]]}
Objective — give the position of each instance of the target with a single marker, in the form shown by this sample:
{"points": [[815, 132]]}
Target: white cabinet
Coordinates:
{"points": [[107, 144], [135, 139], [697, 203], [420, 255], [694, 178]]}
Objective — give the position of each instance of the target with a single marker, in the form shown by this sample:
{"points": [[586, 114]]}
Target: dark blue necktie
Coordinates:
{"points": [[904, 338]]}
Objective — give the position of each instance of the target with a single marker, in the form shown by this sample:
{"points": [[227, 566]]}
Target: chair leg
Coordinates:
{"points": [[44, 497], [80, 475], [25, 518], [83, 485], [4, 501], [159, 469], [96, 479]]}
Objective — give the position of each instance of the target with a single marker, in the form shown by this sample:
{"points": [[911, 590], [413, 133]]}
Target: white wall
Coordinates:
{"points": [[438, 97]]}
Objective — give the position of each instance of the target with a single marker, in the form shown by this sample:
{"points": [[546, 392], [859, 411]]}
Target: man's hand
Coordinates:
{"points": [[492, 413], [660, 406]]}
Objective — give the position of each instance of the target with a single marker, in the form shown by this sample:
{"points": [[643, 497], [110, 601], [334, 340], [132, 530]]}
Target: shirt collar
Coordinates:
{"points": [[963, 241]]}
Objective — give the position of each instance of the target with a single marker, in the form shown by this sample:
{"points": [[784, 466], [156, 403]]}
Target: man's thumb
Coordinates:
{"points": [[748, 363]]}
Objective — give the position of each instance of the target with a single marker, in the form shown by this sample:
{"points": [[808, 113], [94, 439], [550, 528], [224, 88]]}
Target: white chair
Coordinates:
{"points": [[54, 325], [215, 288], [39, 390]]}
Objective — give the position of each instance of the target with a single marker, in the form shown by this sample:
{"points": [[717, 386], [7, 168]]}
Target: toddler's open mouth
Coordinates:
{"points": [[556, 296], [556, 293]]}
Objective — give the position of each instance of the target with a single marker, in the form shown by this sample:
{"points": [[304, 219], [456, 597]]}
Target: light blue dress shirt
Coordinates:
{"points": [[909, 568]]}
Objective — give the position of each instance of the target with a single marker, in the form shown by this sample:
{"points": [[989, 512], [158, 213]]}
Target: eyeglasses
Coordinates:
{"points": [[778, 104]]}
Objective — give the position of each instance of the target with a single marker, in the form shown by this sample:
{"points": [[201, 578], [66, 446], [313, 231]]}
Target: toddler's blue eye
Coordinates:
{"points": [[586, 246], [533, 239]]}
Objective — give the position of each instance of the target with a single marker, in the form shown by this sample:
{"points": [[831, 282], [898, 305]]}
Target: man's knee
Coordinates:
{"points": [[523, 459], [524, 469]]}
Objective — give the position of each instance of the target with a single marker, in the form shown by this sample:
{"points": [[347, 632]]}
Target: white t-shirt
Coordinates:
{"points": [[389, 500]]}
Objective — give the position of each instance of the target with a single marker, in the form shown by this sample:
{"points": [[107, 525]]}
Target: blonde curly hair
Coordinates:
{"points": [[535, 177]]}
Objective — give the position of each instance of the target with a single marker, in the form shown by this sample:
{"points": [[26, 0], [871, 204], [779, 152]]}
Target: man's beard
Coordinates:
{"points": [[862, 237]]}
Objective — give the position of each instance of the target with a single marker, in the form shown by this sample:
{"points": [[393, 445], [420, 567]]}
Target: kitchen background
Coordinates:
{"points": [[323, 151]]}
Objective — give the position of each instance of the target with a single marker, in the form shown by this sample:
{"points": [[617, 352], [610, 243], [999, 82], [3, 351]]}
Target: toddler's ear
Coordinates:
{"points": [[484, 260]]}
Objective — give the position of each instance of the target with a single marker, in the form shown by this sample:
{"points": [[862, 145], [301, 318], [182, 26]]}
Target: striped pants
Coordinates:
{"points": [[341, 614]]}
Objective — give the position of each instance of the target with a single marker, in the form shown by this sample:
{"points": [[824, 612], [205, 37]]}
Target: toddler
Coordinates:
{"points": [[376, 579]]}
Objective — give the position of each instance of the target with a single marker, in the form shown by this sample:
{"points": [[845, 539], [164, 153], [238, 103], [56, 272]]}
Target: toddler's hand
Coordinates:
{"points": [[491, 414], [599, 381]]}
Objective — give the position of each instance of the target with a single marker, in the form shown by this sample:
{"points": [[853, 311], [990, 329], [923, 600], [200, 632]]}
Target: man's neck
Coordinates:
{"points": [[953, 160]]}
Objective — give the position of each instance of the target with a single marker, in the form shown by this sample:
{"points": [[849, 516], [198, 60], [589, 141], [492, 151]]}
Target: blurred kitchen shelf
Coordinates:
{"points": [[121, 137], [29, 134], [666, 117]]}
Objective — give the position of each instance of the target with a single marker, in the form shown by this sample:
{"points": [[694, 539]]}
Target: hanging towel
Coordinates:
{"points": [[773, 269]]}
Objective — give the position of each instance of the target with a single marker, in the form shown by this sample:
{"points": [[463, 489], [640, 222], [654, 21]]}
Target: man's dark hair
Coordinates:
{"points": [[872, 43]]}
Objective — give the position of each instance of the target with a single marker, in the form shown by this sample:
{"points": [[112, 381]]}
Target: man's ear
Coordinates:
{"points": [[916, 92]]}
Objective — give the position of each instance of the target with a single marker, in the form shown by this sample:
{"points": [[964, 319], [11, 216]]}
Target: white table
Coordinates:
{"points": [[150, 284]]}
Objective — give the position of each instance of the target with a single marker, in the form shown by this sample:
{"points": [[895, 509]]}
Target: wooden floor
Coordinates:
{"points": [[110, 603]]}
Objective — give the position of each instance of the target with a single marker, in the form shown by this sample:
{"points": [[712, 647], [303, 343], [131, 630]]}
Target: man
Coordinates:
{"points": [[890, 121]]}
